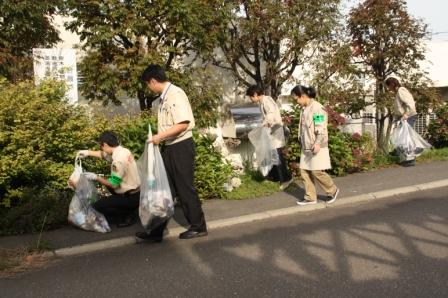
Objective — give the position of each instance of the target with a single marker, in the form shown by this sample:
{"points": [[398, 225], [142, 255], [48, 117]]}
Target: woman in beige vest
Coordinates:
{"points": [[315, 156]]}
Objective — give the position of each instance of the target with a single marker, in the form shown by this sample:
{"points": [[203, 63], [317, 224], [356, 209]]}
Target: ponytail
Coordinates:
{"points": [[299, 90]]}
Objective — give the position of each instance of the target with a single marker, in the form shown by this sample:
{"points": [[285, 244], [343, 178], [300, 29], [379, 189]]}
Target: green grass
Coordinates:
{"points": [[253, 185], [434, 155]]}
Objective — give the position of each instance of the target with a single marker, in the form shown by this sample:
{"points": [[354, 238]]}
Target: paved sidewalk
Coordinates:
{"points": [[354, 188]]}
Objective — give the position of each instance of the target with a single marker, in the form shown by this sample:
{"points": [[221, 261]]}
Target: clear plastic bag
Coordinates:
{"points": [[408, 143], [266, 153], [81, 213], [156, 201], [76, 174]]}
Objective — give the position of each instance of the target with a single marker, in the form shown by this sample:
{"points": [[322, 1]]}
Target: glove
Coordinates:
{"points": [[82, 153], [90, 176]]}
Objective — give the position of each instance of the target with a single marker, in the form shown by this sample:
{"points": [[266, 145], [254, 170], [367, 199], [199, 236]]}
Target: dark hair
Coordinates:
{"points": [[392, 82], [299, 90], [254, 89], [108, 137], [154, 71]]}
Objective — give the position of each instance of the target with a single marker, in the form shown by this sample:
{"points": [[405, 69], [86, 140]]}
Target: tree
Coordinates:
{"points": [[386, 41], [24, 25], [264, 41], [122, 37]]}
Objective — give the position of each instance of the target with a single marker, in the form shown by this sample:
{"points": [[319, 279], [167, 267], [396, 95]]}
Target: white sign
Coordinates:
{"points": [[58, 64]]}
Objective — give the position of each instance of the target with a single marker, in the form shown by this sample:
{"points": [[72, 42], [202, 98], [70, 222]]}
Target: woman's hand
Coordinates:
{"points": [[316, 148]]}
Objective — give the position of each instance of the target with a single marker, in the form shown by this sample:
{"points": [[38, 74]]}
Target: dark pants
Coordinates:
{"points": [[118, 206], [280, 172], [178, 159]]}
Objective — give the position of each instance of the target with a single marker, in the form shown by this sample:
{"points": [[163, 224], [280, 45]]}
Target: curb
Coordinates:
{"points": [[221, 223]]}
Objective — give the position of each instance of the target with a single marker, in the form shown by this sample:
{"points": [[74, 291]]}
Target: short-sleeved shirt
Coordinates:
{"points": [[124, 169], [173, 107]]}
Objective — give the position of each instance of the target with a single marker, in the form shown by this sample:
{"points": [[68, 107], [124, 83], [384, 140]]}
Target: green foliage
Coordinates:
{"points": [[437, 133], [36, 204], [24, 25], [211, 171], [39, 134], [434, 154], [122, 37]]}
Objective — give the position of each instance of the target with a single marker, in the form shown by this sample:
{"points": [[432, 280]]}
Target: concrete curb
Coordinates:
{"points": [[221, 223]]}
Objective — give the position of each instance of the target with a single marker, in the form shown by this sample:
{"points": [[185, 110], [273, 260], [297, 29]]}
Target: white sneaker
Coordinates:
{"points": [[306, 202], [333, 197]]}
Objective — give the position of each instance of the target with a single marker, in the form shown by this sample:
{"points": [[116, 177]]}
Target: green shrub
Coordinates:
{"points": [[39, 135], [437, 133], [36, 205], [211, 171]]}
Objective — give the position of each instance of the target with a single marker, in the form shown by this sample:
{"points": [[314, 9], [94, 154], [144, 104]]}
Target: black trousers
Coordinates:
{"points": [[280, 172], [118, 206], [178, 159]]}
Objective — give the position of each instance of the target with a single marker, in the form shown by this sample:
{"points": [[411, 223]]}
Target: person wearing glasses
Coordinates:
{"points": [[123, 182]]}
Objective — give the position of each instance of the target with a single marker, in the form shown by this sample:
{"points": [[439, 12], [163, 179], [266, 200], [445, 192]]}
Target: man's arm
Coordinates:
{"points": [[174, 130]]}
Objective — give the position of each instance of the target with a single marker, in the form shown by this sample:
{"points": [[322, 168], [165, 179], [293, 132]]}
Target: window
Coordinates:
{"points": [[368, 118]]}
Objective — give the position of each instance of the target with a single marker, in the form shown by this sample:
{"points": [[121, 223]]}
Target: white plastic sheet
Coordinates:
{"points": [[408, 143], [266, 154], [156, 201], [81, 213]]}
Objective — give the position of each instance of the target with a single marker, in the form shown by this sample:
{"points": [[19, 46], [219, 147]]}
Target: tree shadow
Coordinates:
{"points": [[400, 249]]}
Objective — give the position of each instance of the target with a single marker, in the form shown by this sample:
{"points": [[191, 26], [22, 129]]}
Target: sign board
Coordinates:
{"points": [[58, 64]]}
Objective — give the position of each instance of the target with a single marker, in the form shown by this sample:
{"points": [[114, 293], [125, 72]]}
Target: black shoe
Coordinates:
{"points": [[128, 221], [148, 237], [192, 234], [408, 163]]}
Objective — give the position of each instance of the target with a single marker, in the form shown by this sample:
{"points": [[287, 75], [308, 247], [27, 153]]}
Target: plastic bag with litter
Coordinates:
{"points": [[408, 143], [266, 154], [81, 213], [156, 201]]}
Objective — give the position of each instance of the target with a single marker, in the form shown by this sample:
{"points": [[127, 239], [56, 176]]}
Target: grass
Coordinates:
{"points": [[253, 185], [440, 154], [13, 261]]}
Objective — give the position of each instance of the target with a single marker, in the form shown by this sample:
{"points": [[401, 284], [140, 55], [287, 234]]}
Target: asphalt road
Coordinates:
{"points": [[395, 247]]}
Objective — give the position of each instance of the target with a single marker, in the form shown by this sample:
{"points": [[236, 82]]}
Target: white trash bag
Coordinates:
{"points": [[156, 201], [265, 153], [408, 143], [81, 213], [76, 174]]}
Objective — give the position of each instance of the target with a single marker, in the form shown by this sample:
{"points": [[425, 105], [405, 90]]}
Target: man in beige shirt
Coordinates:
{"points": [[123, 182], [175, 123]]}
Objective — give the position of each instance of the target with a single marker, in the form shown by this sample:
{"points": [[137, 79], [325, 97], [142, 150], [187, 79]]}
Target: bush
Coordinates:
{"points": [[437, 133], [39, 207], [211, 171], [39, 135]]}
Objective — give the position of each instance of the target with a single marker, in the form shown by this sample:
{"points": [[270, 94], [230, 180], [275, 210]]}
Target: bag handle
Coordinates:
{"points": [[78, 161], [149, 131]]}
